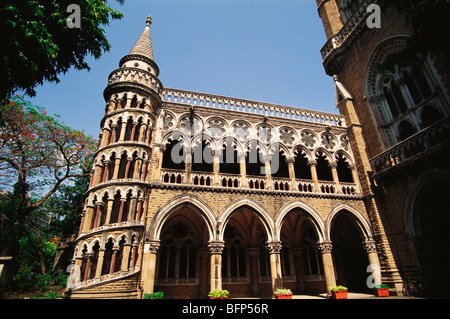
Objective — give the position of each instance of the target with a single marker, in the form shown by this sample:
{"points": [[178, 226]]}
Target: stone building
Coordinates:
{"points": [[398, 128], [192, 192]]}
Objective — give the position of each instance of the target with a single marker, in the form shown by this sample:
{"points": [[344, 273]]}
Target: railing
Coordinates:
{"points": [[137, 76], [172, 176], [357, 20], [227, 180], [104, 278], [327, 187], [418, 144], [203, 179], [247, 106]]}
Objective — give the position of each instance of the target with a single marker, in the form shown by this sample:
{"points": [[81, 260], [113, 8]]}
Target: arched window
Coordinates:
{"points": [[178, 256], [343, 169], [323, 168], [405, 130], [400, 95]]}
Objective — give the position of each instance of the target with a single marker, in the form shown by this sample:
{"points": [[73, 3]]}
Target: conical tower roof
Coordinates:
{"points": [[142, 49], [143, 45]]}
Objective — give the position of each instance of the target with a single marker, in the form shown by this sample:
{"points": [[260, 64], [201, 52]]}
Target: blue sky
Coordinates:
{"points": [[263, 50]]}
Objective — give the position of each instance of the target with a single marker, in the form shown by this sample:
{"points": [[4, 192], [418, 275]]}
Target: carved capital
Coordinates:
{"points": [[274, 247], [370, 246], [325, 247], [216, 247], [152, 246]]}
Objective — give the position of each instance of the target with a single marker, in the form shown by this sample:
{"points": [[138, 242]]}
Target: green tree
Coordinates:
{"points": [[38, 156], [37, 44]]}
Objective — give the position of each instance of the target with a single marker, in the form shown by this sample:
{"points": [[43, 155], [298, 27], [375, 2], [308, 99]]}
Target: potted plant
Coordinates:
{"points": [[218, 294], [155, 295], [339, 292], [283, 293], [381, 290]]}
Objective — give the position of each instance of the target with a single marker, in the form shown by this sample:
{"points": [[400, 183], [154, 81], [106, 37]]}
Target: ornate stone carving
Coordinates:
{"points": [[325, 247], [216, 247], [308, 139], [274, 247], [287, 136]]}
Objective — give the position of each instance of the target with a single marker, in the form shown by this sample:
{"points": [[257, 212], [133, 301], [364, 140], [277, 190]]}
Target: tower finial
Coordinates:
{"points": [[148, 21]]}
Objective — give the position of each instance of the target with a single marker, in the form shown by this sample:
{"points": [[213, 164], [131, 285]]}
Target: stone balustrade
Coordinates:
{"points": [[253, 107], [136, 76], [226, 180], [354, 24], [423, 142]]}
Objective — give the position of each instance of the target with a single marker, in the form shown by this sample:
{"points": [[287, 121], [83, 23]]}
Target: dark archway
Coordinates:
{"points": [[182, 262], [301, 262], [350, 259], [431, 222], [245, 259]]}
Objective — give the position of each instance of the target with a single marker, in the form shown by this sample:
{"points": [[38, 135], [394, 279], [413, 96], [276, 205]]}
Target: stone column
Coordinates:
{"points": [[125, 257], [188, 165], [371, 250], [356, 178], [133, 131], [268, 172], [101, 257], [275, 264], [116, 167], [290, 161], [113, 259], [122, 131], [149, 265], [97, 214], [330, 278], [109, 210], [87, 267], [127, 167], [312, 167], [216, 249], [88, 218], [243, 169], [333, 167], [133, 256], [122, 204], [216, 167], [106, 164], [97, 177], [113, 133]]}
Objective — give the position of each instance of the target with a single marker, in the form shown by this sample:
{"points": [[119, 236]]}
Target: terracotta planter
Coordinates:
{"points": [[218, 297], [381, 292], [339, 294], [283, 296]]}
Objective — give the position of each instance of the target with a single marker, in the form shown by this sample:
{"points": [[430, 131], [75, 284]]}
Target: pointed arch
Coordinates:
{"points": [[260, 212], [315, 217], [360, 220], [163, 213]]}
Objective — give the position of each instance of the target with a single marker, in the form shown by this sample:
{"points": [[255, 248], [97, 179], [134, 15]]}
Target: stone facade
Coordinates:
{"points": [[192, 192], [396, 166]]}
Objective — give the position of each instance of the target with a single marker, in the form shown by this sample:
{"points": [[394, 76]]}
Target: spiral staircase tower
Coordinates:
{"points": [[115, 200]]}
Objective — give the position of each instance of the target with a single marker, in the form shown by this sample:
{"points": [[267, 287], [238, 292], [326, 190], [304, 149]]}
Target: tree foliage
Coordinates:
{"points": [[39, 155], [37, 44]]}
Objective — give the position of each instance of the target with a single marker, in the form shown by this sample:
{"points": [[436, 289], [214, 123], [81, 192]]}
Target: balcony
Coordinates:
{"points": [[175, 177], [352, 27], [424, 143]]}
